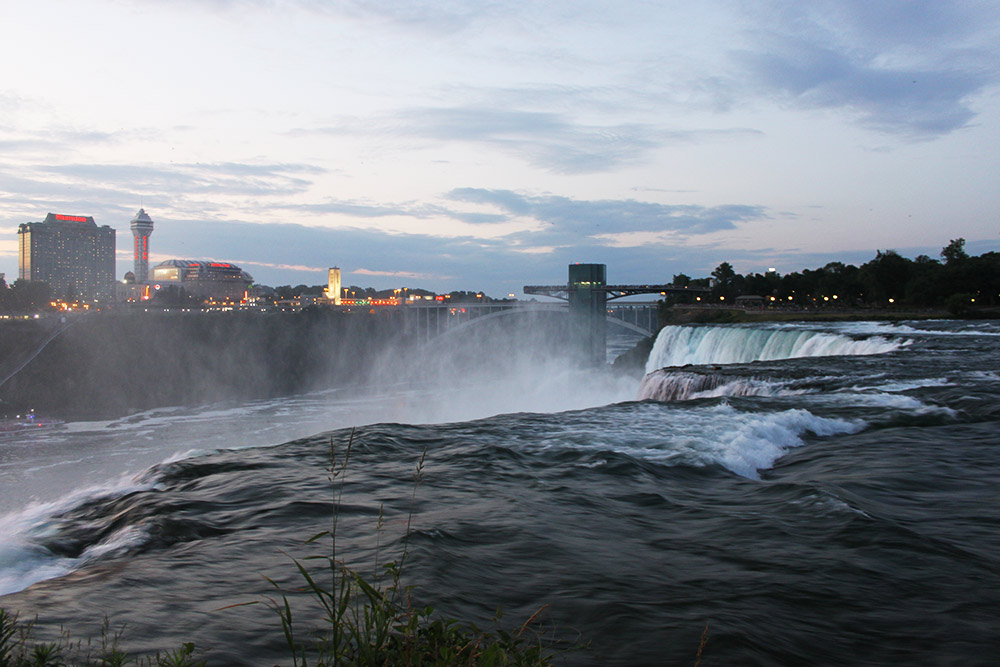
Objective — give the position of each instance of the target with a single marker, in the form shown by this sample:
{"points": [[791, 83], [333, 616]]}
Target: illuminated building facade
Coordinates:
{"points": [[70, 253], [206, 280], [333, 286], [142, 228]]}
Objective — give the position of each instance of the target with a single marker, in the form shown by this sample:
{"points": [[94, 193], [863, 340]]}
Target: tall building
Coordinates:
{"points": [[70, 253], [333, 286], [142, 228]]}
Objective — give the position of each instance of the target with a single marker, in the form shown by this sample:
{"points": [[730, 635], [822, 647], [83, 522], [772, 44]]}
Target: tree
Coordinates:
{"points": [[681, 280], [28, 295], [174, 295], [724, 274], [886, 276], [954, 252]]}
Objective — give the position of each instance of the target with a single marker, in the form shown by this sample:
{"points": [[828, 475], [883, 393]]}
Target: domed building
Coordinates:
{"points": [[204, 279]]}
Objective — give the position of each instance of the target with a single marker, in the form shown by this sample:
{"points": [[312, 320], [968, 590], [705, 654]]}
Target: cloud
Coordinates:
{"points": [[545, 139], [920, 102], [359, 209], [226, 178], [551, 140], [567, 221], [272, 251], [412, 275], [280, 267], [906, 68]]}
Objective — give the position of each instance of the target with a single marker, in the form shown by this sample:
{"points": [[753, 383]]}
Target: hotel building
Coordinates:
{"points": [[70, 253]]}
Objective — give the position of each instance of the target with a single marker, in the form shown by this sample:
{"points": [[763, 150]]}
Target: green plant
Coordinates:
{"points": [[18, 649], [182, 657], [368, 622]]}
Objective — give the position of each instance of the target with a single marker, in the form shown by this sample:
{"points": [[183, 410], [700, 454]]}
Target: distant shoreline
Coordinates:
{"points": [[724, 314]]}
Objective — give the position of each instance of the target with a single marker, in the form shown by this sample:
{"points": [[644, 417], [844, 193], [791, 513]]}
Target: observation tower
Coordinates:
{"points": [[142, 227]]}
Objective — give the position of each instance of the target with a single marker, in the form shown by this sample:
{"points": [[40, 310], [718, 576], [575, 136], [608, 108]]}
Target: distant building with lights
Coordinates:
{"points": [[142, 227], [206, 280], [333, 286], [70, 253]]}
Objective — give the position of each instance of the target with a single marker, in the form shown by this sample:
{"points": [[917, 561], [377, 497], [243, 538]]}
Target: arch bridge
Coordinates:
{"points": [[430, 320], [587, 292], [586, 297]]}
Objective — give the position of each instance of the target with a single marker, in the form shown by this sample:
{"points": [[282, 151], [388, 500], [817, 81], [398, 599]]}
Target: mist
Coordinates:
{"points": [[106, 366]]}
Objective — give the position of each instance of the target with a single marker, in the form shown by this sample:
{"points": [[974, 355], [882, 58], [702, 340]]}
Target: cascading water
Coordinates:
{"points": [[849, 497], [682, 345], [666, 385], [715, 345]]}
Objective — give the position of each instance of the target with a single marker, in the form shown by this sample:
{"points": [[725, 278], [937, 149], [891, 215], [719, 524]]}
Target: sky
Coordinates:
{"points": [[486, 145]]}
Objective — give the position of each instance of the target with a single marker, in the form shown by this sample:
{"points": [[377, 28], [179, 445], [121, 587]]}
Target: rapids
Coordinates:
{"points": [[821, 494]]}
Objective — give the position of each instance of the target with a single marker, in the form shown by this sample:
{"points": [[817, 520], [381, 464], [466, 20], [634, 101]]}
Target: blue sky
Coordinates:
{"points": [[486, 145]]}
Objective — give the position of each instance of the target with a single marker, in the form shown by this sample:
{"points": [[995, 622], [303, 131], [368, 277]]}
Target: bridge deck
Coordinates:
{"points": [[614, 291]]}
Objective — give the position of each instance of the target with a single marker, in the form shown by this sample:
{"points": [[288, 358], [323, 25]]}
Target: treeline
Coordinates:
{"points": [[956, 282], [24, 296]]}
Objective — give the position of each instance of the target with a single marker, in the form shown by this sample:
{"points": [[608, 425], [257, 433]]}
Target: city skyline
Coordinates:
{"points": [[481, 146]]}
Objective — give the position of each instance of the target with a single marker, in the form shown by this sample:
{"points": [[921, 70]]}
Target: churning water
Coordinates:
{"points": [[821, 494]]}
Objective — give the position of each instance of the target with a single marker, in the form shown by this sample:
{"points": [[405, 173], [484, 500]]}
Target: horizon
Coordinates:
{"points": [[487, 147]]}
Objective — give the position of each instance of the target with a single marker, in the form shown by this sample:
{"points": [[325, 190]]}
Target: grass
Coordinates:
{"points": [[353, 620], [19, 649], [362, 621]]}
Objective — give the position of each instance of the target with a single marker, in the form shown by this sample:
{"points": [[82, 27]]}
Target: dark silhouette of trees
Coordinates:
{"points": [[954, 252], [885, 277], [960, 283], [26, 295]]}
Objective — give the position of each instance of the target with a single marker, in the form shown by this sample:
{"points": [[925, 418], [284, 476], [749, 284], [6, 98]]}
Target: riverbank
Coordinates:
{"points": [[723, 315]]}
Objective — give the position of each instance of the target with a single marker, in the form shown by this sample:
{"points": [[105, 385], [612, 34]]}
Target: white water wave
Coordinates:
{"points": [[891, 401], [742, 442], [907, 385], [923, 327], [664, 385], [23, 562]]}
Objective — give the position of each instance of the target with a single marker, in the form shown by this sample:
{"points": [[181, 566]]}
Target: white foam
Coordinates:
{"points": [[926, 327], [907, 385], [664, 385], [742, 442], [23, 563], [892, 401]]}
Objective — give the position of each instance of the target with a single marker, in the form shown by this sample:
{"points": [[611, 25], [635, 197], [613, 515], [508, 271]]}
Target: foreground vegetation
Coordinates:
{"points": [[18, 648]]}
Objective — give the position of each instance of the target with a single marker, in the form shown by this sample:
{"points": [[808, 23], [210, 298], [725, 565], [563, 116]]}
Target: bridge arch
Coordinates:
{"points": [[554, 308]]}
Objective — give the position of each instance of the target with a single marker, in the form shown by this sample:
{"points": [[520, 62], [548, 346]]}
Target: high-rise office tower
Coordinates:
{"points": [[142, 227], [70, 253]]}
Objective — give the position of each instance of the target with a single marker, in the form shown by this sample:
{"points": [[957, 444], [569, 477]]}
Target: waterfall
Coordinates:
{"points": [[682, 345], [667, 385]]}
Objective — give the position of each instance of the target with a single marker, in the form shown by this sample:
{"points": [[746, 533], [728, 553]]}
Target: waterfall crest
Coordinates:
{"points": [[682, 345]]}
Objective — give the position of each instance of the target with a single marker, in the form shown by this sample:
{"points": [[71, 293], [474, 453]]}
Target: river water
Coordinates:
{"points": [[813, 494]]}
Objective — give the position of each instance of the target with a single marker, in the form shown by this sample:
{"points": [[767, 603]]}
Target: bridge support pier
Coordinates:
{"points": [[588, 300]]}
